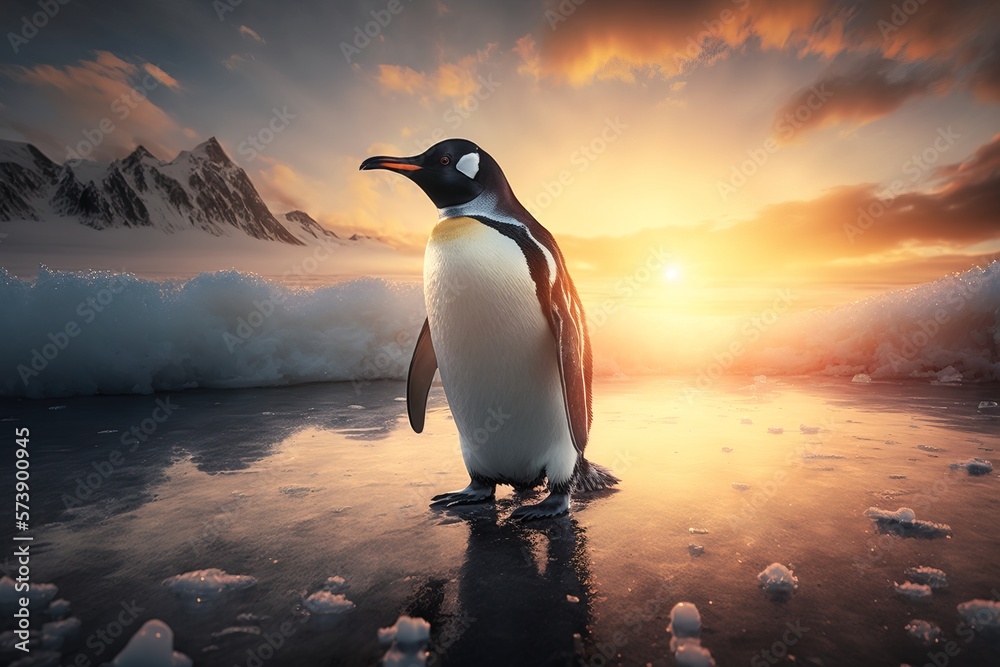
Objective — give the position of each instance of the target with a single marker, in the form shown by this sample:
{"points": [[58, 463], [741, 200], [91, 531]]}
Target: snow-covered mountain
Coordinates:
{"points": [[199, 189]]}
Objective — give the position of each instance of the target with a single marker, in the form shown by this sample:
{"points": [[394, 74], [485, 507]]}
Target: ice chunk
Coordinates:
{"points": [[335, 583], [931, 576], [40, 659], [691, 653], [39, 595], [923, 631], [777, 579], [152, 646], [808, 430], [746, 420], [685, 623], [986, 405], [975, 466], [740, 486], [58, 609], [904, 522], [685, 642], [912, 591], [56, 632], [207, 584], [407, 641], [698, 531], [981, 614], [325, 602], [862, 378], [902, 515], [948, 375], [776, 430], [727, 450], [236, 630]]}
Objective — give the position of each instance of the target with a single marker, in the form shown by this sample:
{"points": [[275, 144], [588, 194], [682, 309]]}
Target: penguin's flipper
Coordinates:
{"points": [[571, 344], [423, 365]]}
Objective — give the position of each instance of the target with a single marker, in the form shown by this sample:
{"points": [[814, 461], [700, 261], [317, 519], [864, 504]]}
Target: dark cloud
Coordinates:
{"points": [[871, 89]]}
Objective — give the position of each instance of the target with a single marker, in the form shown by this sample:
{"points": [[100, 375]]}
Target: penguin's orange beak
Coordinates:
{"points": [[397, 164]]}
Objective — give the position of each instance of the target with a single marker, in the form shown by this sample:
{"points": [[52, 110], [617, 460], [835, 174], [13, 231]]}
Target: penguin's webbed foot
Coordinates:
{"points": [[475, 492], [554, 504]]}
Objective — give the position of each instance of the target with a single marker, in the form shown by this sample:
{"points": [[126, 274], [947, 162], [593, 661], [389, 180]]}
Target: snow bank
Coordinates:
{"points": [[777, 579], [207, 584]]}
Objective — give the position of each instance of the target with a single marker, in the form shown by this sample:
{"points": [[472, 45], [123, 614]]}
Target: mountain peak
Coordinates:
{"points": [[211, 149], [141, 152]]}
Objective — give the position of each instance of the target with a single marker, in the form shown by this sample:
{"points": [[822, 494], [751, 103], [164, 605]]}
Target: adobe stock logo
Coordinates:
{"points": [[30, 25]]}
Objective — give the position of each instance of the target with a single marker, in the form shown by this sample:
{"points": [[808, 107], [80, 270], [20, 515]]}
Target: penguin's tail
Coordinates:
{"points": [[592, 477]]}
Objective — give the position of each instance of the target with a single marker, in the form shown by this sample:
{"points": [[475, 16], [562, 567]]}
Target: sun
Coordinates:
{"points": [[673, 273]]}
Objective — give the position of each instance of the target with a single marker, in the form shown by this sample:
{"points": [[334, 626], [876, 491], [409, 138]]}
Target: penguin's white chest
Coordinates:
{"points": [[496, 355]]}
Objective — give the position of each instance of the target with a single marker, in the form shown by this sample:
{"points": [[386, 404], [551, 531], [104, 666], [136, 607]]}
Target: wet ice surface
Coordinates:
{"points": [[306, 494]]}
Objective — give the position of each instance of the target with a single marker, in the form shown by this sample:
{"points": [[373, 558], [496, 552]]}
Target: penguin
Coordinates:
{"points": [[507, 330]]}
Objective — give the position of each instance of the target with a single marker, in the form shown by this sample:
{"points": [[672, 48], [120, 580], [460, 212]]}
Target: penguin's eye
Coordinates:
{"points": [[445, 160]]}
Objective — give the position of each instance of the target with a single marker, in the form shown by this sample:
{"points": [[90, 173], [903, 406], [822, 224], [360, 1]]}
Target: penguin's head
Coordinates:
{"points": [[451, 172]]}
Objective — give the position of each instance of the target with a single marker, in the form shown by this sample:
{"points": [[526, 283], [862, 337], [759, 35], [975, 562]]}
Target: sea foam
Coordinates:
{"points": [[104, 333]]}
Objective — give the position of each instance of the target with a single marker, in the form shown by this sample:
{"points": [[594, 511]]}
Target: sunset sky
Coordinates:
{"points": [[740, 138]]}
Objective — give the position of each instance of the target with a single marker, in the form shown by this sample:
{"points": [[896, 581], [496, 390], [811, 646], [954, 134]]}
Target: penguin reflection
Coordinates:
{"points": [[523, 595]]}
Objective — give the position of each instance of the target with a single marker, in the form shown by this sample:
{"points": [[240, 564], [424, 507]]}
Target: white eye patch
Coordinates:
{"points": [[469, 164]]}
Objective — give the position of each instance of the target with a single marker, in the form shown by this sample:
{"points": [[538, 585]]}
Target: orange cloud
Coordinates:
{"points": [[455, 80], [105, 92], [251, 34], [161, 76], [627, 38]]}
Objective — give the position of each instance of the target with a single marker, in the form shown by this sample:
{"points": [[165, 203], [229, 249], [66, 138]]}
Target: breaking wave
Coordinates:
{"points": [[104, 333]]}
